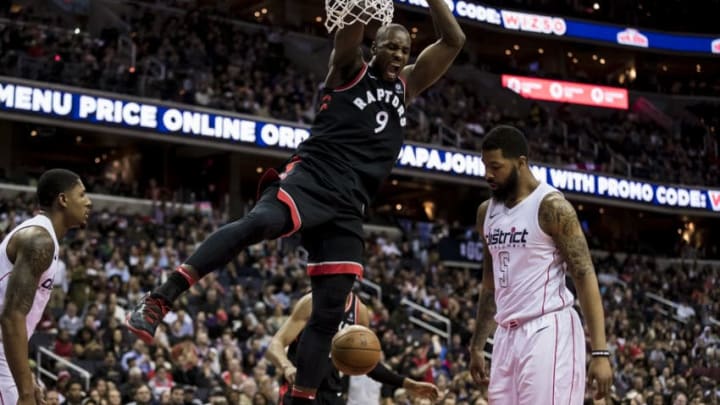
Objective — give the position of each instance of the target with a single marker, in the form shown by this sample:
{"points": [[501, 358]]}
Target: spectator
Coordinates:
{"points": [[70, 321]]}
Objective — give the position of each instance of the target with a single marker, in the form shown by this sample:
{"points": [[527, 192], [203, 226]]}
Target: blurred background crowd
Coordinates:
{"points": [[211, 347], [661, 313]]}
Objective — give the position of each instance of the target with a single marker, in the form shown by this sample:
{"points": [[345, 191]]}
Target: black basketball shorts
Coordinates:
{"points": [[329, 220]]}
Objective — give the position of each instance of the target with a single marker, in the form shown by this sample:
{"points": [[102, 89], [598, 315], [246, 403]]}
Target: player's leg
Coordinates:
{"points": [[269, 219], [334, 263], [552, 367], [502, 390], [329, 295]]}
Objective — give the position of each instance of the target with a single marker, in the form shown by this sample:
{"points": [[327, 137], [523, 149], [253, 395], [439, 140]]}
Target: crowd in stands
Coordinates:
{"points": [[211, 348], [219, 64]]}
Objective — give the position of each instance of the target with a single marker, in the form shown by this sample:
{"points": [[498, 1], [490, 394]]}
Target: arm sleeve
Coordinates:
{"points": [[386, 376]]}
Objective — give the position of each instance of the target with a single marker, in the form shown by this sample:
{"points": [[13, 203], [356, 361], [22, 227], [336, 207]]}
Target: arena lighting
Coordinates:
{"points": [[576, 29], [567, 92]]}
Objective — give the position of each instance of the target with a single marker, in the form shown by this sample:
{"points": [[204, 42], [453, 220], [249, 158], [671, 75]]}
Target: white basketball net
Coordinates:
{"points": [[346, 12]]}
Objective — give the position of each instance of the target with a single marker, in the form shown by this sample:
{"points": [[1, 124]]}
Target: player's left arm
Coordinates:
{"points": [[33, 250], [384, 375], [436, 59], [288, 332], [558, 219]]}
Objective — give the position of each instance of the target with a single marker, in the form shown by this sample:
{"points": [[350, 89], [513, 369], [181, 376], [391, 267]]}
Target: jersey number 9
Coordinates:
{"points": [[382, 119]]}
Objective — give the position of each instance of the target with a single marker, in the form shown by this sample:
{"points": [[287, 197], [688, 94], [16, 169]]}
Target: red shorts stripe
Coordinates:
{"points": [[283, 391], [325, 268], [290, 166], [287, 199], [296, 393]]}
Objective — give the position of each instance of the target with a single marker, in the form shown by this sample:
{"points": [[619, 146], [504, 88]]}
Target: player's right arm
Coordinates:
{"points": [[382, 374], [287, 333], [31, 250], [346, 57], [485, 321]]}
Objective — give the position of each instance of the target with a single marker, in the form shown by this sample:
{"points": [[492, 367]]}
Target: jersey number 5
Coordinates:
{"points": [[504, 259], [382, 119]]}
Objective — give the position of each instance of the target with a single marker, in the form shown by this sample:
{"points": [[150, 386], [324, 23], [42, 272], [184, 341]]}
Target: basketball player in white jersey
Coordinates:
{"points": [[532, 240], [28, 260]]}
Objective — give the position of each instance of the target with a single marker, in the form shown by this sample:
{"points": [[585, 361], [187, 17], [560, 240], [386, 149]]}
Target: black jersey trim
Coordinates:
{"points": [[354, 81]]}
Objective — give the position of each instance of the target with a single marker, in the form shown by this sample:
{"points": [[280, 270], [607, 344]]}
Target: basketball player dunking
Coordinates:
{"points": [[532, 238], [326, 186], [28, 261], [331, 389]]}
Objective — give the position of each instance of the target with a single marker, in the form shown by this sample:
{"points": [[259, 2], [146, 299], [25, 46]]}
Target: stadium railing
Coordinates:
{"points": [[43, 352], [445, 334]]}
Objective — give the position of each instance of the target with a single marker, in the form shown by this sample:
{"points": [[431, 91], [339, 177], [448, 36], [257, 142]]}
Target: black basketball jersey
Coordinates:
{"points": [[358, 131], [333, 382]]}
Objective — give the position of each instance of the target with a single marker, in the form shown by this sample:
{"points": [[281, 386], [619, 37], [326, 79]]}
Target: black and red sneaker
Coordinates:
{"points": [[145, 318]]}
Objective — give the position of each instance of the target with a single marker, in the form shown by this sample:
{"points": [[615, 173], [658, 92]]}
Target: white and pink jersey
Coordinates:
{"points": [[528, 271], [45, 285]]}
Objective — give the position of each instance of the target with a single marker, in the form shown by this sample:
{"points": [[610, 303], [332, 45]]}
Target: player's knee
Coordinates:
{"points": [[269, 223]]}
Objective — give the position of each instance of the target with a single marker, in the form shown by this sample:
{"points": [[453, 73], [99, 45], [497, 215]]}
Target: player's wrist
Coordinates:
{"points": [[26, 394], [600, 353]]}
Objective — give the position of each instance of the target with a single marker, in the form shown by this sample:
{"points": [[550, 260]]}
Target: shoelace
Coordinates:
{"points": [[156, 309]]}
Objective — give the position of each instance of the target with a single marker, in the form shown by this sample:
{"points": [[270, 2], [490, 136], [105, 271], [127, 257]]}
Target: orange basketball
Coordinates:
{"points": [[355, 350]]}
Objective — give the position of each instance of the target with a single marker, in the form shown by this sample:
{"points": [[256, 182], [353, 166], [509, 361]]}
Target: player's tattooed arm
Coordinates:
{"points": [[31, 250], [485, 321], [558, 219]]}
